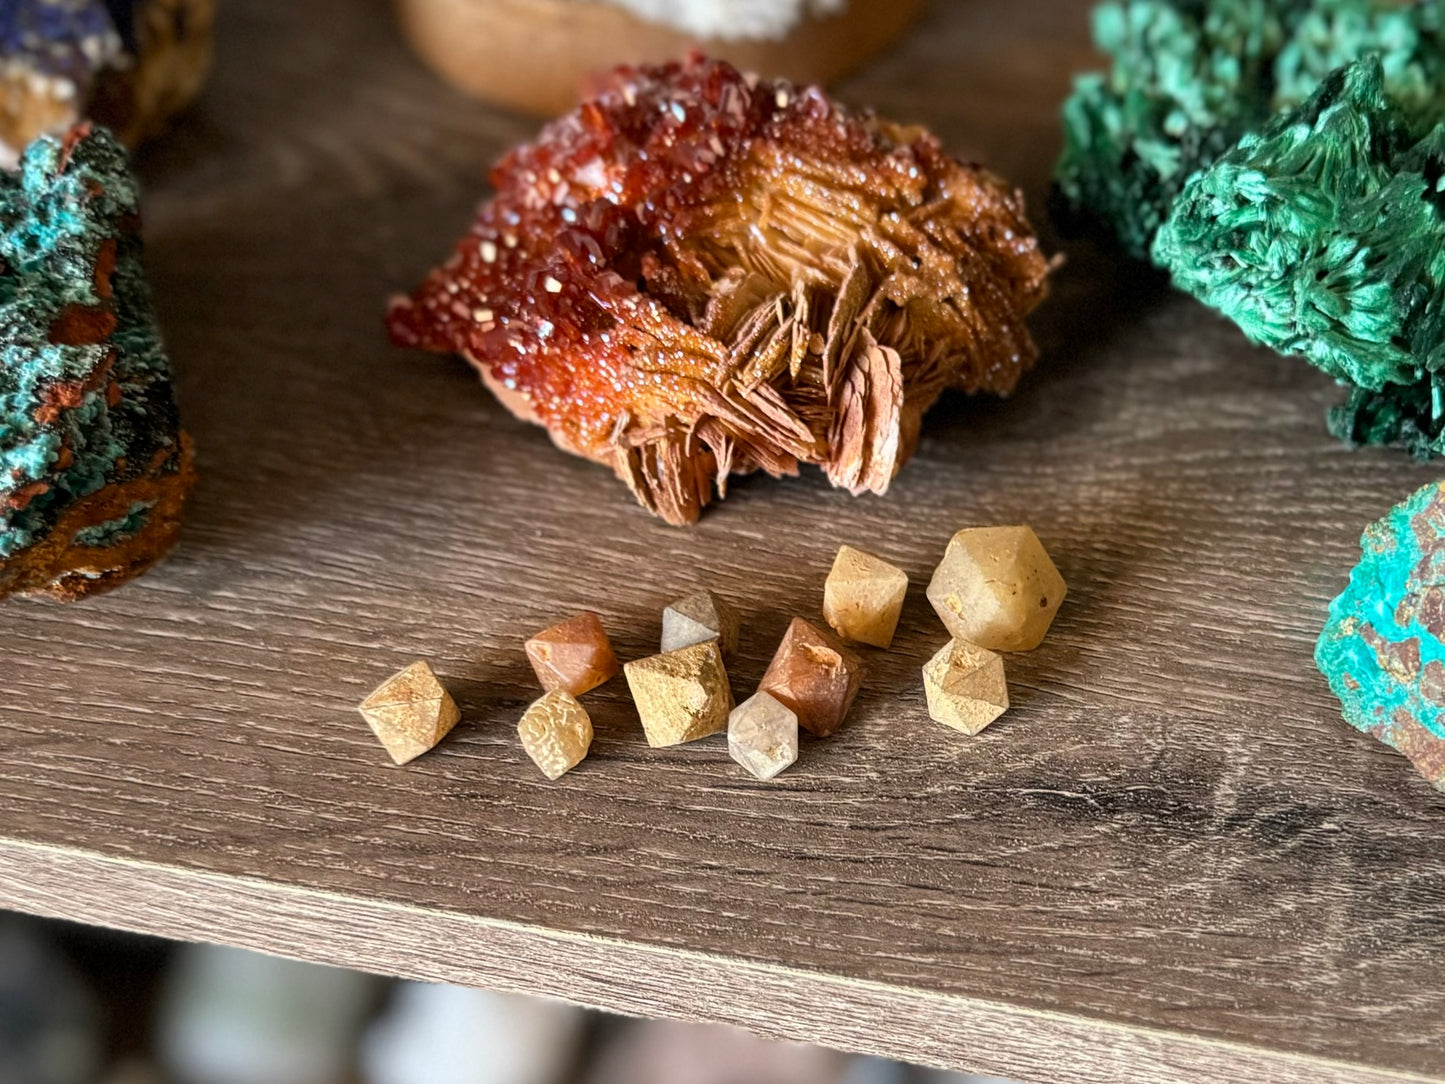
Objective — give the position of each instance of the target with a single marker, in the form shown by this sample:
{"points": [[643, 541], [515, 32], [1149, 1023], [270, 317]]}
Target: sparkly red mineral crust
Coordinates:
{"points": [[698, 273]]}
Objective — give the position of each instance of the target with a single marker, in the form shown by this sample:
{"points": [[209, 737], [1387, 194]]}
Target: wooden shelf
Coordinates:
{"points": [[1171, 860]]}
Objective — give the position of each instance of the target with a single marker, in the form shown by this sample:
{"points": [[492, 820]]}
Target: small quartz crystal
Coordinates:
{"points": [[965, 686], [410, 712], [763, 735], [574, 656], [698, 618], [863, 597], [997, 588], [556, 731], [815, 676], [681, 695]]}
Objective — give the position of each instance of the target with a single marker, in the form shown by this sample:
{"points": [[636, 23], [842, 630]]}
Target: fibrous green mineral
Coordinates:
{"points": [[1188, 78], [1323, 236], [1383, 646]]}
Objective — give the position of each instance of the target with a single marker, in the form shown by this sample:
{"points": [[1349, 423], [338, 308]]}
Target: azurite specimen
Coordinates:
{"points": [[698, 273], [93, 470], [1324, 236], [1187, 78], [1383, 647], [129, 64]]}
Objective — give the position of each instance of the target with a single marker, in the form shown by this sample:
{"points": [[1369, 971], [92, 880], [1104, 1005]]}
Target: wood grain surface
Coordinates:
{"points": [[1171, 860]]}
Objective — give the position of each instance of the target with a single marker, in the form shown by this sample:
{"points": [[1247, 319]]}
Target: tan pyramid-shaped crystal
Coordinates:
{"points": [[814, 676], [965, 686], [763, 735], [574, 656], [698, 618], [556, 732], [410, 712], [863, 597], [997, 588], [681, 695]]}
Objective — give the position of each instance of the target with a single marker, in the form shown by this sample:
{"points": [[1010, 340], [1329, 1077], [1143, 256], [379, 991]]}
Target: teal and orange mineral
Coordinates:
{"points": [[1383, 647], [93, 466]]}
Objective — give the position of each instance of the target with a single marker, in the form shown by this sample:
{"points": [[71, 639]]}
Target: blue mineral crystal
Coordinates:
{"points": [[93, 467], [128, 64], [1382, 648]]}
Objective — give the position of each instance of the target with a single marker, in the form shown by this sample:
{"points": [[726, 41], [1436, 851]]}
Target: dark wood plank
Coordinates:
{"points": [[1171, 860]]}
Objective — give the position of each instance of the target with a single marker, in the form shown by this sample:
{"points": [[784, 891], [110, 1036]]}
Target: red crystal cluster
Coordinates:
{"points": [[697, 273]]}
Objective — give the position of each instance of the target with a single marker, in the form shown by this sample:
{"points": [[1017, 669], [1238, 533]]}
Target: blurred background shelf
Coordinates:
{"points": [[1170, 860]]}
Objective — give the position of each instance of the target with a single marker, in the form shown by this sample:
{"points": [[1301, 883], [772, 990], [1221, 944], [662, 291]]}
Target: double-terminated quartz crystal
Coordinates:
{"points": [[763, 735], [814, 676], [965, 686], [698, 618], [698, 274], [997, 588], [410, 712], [681, 695], [573, 656], [863, 597], [556, 732]]}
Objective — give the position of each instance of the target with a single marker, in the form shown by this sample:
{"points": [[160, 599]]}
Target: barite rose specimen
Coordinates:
{"points": [[763, 735], [1383, 646], [863, 597], [996, 587], [556, 732], [94, 469], [410, 712], [574, 656], [814, 676], [681, 695], [965, 686], [700, 617], [699, 273], [127, 64]]}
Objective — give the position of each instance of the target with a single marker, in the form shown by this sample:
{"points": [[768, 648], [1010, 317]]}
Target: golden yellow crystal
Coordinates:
{"points": [[556, 731], [997, 588], [681, 695], [863, 597], [965, 686], [410, 712]]}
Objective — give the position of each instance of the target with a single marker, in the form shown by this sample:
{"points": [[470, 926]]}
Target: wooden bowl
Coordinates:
{"points": [[535, 55]]}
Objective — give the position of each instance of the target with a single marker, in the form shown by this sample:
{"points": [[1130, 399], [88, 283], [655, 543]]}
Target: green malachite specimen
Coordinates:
{"points": [[93, 468], [1382, 648], [1323, 236], [1187, 78]]}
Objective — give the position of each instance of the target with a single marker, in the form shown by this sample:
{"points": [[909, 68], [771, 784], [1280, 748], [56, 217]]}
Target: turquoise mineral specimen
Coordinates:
{"points": [[1323, 236], [1187, 78], [1381, 648], [93, 467]]}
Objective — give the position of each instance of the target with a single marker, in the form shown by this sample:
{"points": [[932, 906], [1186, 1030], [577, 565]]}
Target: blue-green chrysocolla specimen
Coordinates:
{"points": [[93, 467], [1381, 648]]}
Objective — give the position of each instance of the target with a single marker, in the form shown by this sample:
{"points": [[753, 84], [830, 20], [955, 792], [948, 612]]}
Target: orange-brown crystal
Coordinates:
{"points": [[698, 273]]}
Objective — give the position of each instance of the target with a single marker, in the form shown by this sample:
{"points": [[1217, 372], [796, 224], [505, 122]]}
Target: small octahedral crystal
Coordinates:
{"points": [[1321, 236], [1187, 78], [410, 712], [681, 695], [763, 735], [965, 686], [93, 466], [127, 64], [697, 618], [814, 676], [997, 588], [1383, 647], [863, 597], [699, 273], [556, 731], [574, 656]]}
